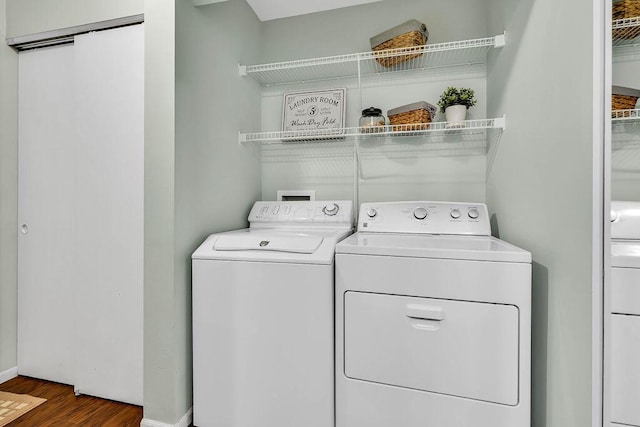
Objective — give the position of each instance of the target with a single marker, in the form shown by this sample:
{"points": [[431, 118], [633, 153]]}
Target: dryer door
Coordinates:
{"points": [[625, 369], [459, 348]]}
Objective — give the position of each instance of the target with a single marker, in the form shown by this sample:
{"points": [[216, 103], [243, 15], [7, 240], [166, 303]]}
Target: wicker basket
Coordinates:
{"points": [[409, 34], [623, 98], [411, 117], [625, 9], [623, 102]]}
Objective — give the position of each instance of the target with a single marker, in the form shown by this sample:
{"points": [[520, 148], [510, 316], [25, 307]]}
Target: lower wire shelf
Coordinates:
{"points": [[390, 131], [624, 116]]}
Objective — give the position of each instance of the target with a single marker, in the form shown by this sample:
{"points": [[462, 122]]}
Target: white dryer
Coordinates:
{"points": [[263, 349], [433, 320], [624, 362]]}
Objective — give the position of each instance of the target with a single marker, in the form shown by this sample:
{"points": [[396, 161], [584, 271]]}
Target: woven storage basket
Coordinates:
{"points": [[623, 98], [625, 9], [416, 116], [409, 34], [623, 102]]}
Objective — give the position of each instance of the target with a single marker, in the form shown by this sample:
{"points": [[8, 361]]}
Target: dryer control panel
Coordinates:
{"points": [[331, 212], [425, 217]]}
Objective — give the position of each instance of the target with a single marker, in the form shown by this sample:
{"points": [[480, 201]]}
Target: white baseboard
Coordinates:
{"points": [[185, 421], [8, 374]]}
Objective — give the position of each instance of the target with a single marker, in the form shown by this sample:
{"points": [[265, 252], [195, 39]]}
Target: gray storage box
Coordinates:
{"points": [[625, 91], [420, 105]]}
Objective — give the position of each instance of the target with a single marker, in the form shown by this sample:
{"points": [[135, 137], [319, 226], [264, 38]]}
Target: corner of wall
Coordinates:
{"points": [[160, 379]]}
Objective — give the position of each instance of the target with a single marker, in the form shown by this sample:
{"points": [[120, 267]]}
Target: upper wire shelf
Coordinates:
{"points": [[466, 52], [626, 32], [436, 128]]}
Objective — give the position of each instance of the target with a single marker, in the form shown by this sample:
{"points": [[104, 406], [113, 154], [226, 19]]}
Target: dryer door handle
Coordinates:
{"points": [[425, 312]]}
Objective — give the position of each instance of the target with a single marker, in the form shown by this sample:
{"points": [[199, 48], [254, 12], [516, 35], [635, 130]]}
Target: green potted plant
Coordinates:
{"points": [[454, 103]]}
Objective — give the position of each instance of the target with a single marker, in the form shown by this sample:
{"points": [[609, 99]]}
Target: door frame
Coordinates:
{"points": [[601, 201]]}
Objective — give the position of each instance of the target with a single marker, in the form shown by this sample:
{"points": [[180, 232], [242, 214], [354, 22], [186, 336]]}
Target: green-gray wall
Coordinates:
{"points": [[8, 198], [198, 179], [347, 30], [540, 188], [399, 171], [163, 355]]}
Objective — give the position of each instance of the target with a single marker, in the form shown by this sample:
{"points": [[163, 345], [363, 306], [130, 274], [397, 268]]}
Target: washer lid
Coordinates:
{"points": [[625, 220], [299, 246], [295, 243], [476, 248]]}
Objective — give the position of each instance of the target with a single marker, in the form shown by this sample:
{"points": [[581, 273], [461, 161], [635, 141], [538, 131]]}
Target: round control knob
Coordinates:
{"points": [[331, 210], [473, 213], [455, 213], [420, 213], [372, 213]]}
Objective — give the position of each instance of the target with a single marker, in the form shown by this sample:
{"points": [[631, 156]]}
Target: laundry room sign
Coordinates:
{"points": [[314, 114]]}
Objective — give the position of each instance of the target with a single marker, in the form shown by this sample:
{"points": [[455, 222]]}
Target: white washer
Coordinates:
{"points": [[433, 320], [625, 313], [263, 352]]}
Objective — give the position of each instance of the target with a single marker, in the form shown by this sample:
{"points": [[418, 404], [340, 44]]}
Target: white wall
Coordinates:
{"points": [[398, 170], [36, 16], [8, 198], [539, 189]]}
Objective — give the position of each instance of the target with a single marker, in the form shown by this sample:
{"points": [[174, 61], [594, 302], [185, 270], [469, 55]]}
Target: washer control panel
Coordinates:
{"points": [[302, 212], [425, 217]]}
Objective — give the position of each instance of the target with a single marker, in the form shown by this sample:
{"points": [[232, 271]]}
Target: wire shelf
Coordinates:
{"points": [[351, 133], [624, 116], [459, 53], [626, 32]]}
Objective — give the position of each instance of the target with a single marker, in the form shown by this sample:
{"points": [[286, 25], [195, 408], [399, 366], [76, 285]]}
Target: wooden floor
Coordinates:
{"points": [[63, 408]]}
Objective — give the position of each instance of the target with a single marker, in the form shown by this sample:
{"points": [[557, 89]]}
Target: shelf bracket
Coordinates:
{"points": [[242, 138], [242, 70], [501, 40], [500, 122]]}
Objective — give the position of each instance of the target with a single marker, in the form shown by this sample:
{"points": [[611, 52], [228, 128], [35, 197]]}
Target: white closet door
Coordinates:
{"points": [[81, 166], [46, 170], [109, 86]]}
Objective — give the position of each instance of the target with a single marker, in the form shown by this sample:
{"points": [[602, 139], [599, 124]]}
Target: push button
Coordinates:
{"points": [[420, 213]]}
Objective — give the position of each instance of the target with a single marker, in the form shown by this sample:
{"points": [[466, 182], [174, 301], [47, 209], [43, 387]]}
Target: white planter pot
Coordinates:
{"points": [[455, 115]]}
